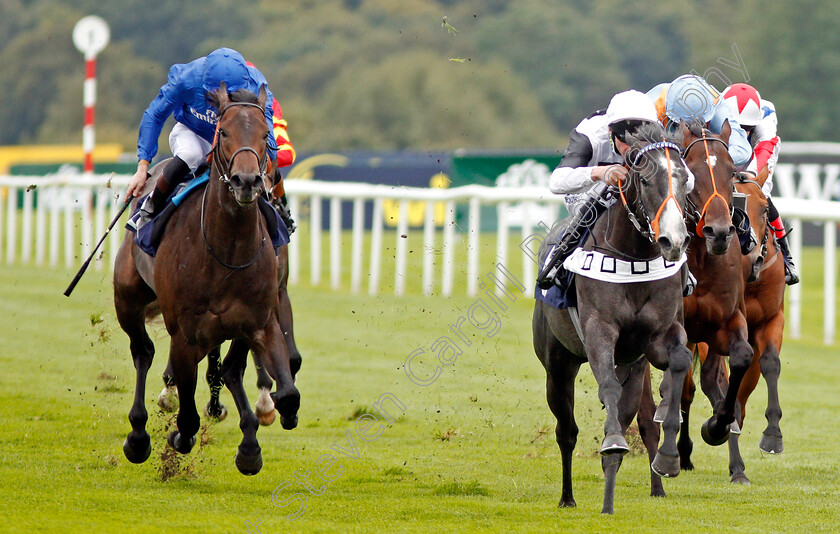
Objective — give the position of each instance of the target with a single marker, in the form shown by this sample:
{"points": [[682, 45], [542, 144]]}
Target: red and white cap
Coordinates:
{"points": [[745, 103]]}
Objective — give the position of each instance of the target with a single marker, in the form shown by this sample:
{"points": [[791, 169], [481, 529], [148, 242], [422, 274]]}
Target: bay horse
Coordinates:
{"points": [[214, 278], [622, 323], [264, 407], [763, 271]]}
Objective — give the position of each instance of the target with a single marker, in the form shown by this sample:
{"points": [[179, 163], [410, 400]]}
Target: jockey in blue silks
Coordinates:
{"points": [[185, 96]]}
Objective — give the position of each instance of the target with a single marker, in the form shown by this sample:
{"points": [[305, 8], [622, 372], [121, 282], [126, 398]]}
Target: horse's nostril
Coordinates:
{"points": [[708, 232], [731, 230], [236, 180], [686, 242], [664, 242]]}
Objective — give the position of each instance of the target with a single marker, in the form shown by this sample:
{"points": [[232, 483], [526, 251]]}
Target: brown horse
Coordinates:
{"points": [[715, 312], [764, 273], [264, 407], [214, 278]]}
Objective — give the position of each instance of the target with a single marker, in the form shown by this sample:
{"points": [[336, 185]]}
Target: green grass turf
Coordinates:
{"points": [[473, 451]]}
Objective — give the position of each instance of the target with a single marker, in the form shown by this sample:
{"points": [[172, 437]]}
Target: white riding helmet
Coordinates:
{"points": [[631, 106], [744, 102]]}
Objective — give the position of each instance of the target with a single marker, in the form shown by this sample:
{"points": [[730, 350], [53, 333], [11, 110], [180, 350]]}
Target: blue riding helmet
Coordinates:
{"points": [[690, 97], [225, 65]]}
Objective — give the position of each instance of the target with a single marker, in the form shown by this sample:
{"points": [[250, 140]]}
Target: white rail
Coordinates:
{"points": [[87, 206]]}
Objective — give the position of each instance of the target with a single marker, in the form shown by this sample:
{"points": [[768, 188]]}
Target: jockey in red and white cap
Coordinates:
{"points": [[758, 118]]}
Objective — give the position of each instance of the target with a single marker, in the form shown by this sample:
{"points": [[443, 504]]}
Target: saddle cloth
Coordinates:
{"points": [[148, 236]]}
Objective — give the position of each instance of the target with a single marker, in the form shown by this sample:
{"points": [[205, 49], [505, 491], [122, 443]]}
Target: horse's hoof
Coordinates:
{"points": [[138, 452], [288, 407], [168, 399], [658, 492], [177, 442], [614, 444], [665, 465], [709, 437], [771, 444], [735, 428], [218, 413], [740, 479], [249, 464], [686, 464], [267, 419], [567, 503], [288, 422]]}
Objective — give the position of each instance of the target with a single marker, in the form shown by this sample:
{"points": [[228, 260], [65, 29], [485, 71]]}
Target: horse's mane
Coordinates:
{"points": [[651, 132], [240, 95], [695, 126]]}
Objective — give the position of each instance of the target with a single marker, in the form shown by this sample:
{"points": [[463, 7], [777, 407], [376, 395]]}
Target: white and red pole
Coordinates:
{"points": [[90, 35], [88, 134]]}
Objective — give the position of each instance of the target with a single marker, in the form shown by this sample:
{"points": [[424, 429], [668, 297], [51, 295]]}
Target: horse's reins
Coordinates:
{"points": [[702, 215], [224, 178], [653, 224]]}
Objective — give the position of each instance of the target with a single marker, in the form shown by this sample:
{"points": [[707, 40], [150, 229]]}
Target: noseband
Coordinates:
{"points": [[701, 216], [225, 166], [652, 229]]}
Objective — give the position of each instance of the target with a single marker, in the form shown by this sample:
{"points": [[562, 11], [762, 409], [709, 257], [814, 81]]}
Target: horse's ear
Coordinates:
{"points": [[688, 137], [263, 96], [222, 96], [725, 131]]}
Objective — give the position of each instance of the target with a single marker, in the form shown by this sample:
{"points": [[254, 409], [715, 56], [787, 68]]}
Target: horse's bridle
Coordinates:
{"points": [[652, 224], [224, 170], [700, 216], [224, 166]]}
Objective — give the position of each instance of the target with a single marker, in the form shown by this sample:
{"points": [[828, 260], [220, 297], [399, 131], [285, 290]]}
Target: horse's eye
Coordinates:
{"points": [[222, 133]]}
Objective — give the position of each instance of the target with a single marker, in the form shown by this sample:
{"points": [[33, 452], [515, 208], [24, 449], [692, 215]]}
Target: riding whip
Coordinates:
{"points": [[92, 254]]}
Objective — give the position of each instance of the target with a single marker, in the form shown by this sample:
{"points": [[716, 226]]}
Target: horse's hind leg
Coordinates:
{"points": [[215, 408], [287, 324], [168, 398], [684, 444], [649, 431], [264, 407], [560, 393], [131, 295], [249, 454], [185, 358]]}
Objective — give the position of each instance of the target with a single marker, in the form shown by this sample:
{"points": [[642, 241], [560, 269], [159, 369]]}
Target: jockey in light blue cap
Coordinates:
{"points": [[690, 97]]}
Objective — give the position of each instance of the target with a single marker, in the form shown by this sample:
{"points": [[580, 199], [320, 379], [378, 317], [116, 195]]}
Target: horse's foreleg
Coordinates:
{"points": [[771, 366], [737, 468], [185, 358], [649, 431], [600, 343], [270, 349], [249, 454], [715, 430], [214, 407]]}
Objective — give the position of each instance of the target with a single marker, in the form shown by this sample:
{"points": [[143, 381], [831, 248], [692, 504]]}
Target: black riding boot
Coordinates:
{"points": [[173, 174], [746, 235], [282, 205], [583, 219], [791, 276]]}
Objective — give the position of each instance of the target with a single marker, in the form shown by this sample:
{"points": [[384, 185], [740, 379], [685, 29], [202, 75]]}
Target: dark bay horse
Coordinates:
{"points": [[763, 271], [715, 312], [622, 323], [264, 407], [214, 278]]}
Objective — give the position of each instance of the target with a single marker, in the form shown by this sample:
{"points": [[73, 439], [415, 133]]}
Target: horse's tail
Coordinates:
{"points": [[152, 310]]}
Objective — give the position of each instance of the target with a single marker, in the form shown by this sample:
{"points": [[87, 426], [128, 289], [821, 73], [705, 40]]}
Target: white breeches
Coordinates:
{"points": [[188, 145]]}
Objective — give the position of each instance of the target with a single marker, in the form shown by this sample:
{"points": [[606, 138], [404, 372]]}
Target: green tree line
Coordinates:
{"points": [[420, 74]]}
